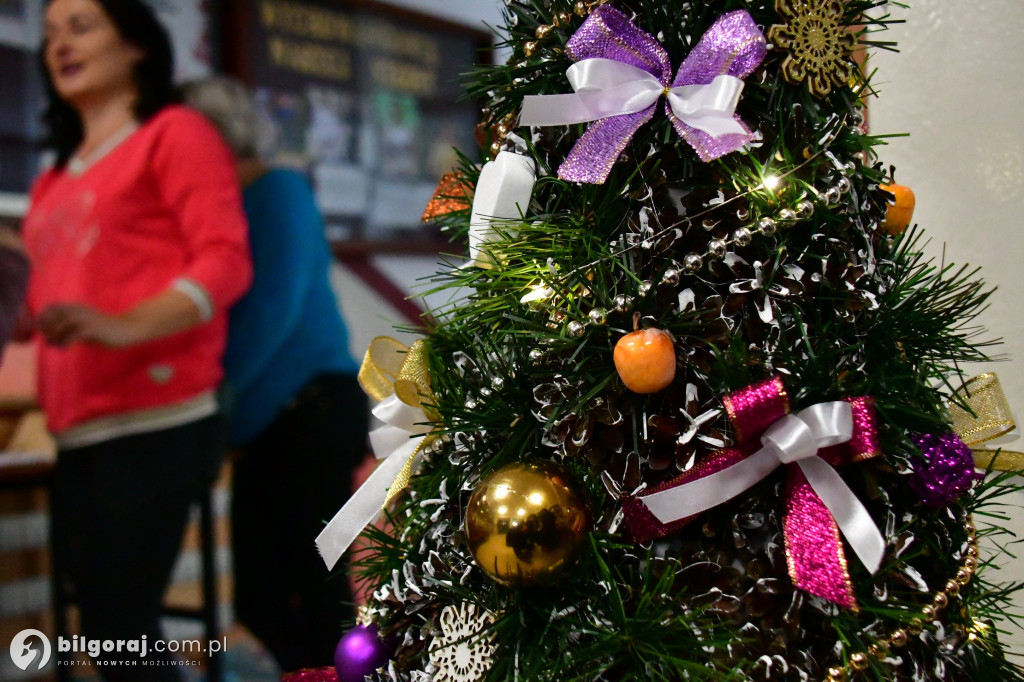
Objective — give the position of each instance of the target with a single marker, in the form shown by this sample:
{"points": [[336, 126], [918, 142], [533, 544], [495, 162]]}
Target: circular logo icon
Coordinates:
{"points": [[24, 649]]}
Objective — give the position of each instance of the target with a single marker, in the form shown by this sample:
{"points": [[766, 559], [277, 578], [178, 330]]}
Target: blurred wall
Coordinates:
{"points": [[958, 88], [368, 314]]}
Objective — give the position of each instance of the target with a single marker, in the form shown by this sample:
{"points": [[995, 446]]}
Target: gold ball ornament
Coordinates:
{"points": [[525, 523]]}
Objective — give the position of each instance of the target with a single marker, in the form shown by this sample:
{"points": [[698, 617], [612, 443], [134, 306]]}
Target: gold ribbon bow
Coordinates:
{"points": [[392, 368], [398, 378], [987, 416]]}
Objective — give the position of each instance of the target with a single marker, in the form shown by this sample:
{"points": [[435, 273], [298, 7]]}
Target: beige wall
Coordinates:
{"points": [[958, 88]]}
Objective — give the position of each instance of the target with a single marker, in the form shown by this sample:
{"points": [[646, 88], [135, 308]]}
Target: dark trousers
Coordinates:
{"points": [[289, 481], [119, 513]]}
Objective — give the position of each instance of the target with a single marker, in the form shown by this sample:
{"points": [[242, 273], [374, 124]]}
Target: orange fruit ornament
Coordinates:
{"points": [[646, 360], [900, 212]]}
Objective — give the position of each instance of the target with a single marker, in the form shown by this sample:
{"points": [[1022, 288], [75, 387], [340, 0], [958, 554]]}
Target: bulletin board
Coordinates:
{"points": [[364, 99]]}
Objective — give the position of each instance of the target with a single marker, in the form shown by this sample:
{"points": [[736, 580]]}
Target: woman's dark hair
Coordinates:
{"points": [[154, 75]]}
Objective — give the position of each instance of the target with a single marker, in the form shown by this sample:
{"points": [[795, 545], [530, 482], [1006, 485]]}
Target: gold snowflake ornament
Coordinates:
{"points": [[820, 46], [463, 652]]}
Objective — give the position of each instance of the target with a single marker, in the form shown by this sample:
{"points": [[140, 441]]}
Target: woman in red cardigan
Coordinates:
{"points": [[137, 242]]}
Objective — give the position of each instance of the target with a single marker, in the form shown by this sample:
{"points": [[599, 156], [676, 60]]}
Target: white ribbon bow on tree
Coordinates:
{"points": [[605, 87], [396, 376], [793, 439]]}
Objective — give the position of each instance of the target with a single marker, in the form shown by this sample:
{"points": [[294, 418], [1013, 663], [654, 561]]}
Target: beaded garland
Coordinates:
{"points": [[717, 249], [860, 661]]}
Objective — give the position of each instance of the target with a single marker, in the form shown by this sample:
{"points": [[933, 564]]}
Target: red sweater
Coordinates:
{"points": [[161, 206]]}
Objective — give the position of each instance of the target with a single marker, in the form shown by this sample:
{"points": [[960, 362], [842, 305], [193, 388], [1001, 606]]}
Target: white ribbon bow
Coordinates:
{"points": [[794, 439], [502, 194], [396, 443], [605, 88]]}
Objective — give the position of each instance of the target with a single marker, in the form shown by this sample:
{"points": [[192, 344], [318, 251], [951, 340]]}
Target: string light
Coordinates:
{"points": [[978, 629], [537, 293]]}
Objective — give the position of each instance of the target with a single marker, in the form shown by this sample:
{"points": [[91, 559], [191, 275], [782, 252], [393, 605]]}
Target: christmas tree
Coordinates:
{"points": [[695, 408]]}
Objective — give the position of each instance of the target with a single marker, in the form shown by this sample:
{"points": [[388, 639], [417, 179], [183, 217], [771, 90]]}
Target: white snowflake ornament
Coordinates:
{"points": [[463, 652]]}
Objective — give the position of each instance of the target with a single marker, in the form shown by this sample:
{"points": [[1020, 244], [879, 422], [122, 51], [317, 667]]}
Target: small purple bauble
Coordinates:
{"points": [[360, 652], [947, 471]]}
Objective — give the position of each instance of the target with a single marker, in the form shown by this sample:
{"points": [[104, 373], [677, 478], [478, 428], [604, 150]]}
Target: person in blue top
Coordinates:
{"points": [[296, 412]]}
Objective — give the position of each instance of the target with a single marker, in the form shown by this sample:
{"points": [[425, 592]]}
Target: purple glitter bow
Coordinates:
{"points": [[733, 47]]}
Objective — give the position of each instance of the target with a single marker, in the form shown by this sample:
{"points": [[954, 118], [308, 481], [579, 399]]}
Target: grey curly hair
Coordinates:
{"points": [[228, 104]]}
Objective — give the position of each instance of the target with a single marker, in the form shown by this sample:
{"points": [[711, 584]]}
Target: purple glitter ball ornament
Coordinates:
{"points": [[360, 652], [946, 472]]}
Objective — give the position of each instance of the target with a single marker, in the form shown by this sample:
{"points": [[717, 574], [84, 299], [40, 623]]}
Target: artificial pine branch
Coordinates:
{"points": [[829, 301]]}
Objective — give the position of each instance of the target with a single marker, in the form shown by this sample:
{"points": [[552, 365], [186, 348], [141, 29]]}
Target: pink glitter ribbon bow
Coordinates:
{"points": [[818, 502], [620, 74]]}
